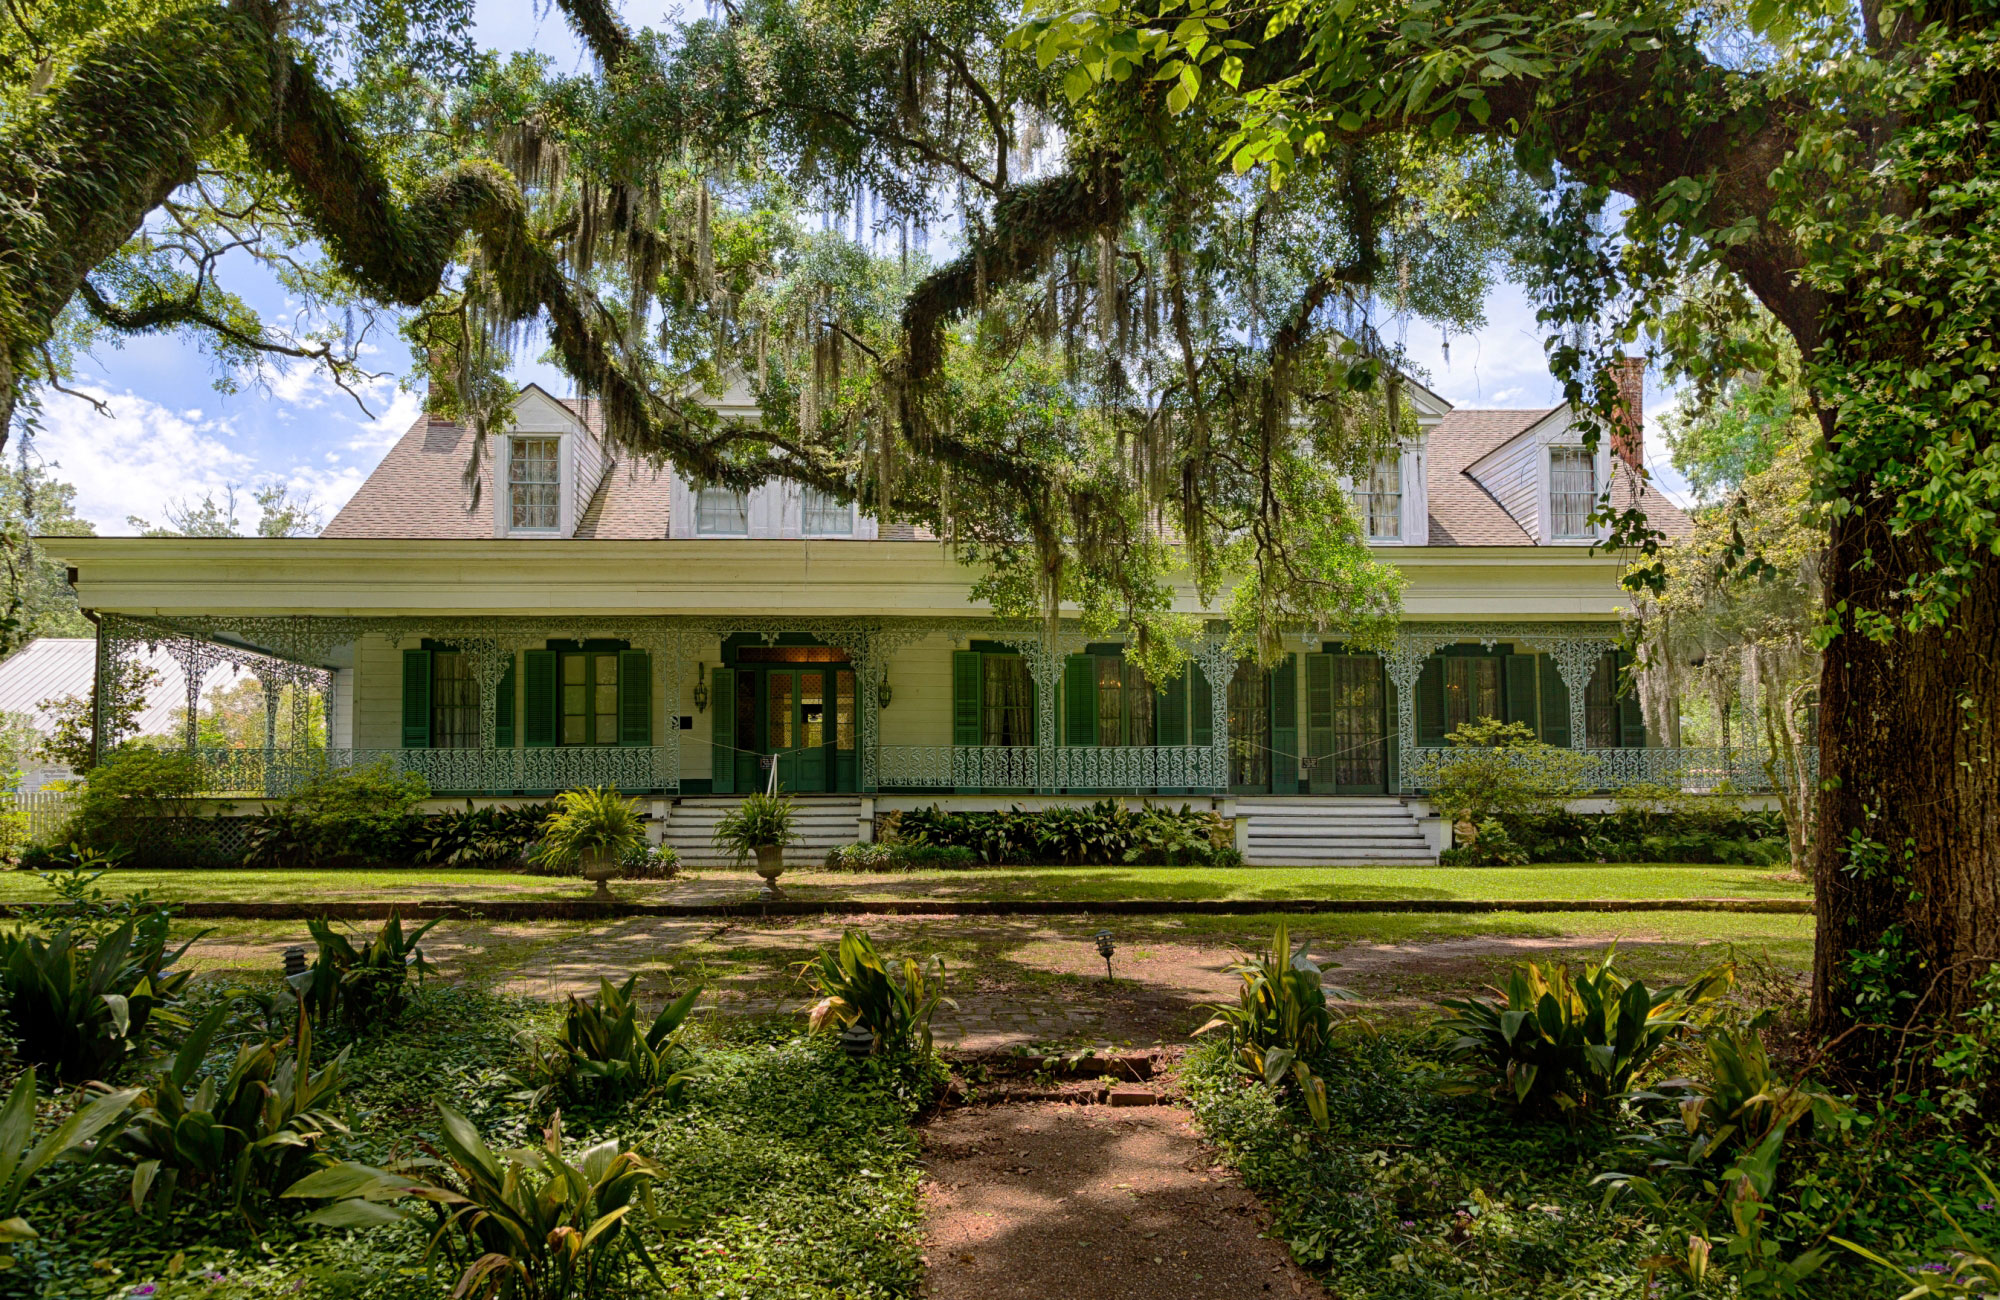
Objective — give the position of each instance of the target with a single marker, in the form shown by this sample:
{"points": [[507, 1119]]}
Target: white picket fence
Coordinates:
{"points": [[47, 811]]}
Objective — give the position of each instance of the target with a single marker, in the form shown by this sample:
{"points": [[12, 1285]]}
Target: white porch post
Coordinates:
{"points": [[1218, 664], [1576, 663], [268, 680], [1404, 662]]}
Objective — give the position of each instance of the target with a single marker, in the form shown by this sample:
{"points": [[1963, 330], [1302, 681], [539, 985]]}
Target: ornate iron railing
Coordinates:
{"points": [[1692, 769], [637, 769], [1136, 768]]}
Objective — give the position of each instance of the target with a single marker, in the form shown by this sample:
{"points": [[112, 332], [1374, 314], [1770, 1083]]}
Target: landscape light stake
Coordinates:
{"points": [[1104, 949]]}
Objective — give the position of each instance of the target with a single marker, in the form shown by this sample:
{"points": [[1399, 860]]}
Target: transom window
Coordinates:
{"points": [[590, 698], [454, 702], [1572, 489], [827, 517], [534, 483], [1379, 499], [722, 512]]}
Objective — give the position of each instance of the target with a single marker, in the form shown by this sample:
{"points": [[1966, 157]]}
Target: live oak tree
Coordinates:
{"points": [[1835, 164]]}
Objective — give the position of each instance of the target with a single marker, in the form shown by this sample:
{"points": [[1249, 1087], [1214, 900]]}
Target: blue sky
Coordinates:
{"points": [[172, 437]]}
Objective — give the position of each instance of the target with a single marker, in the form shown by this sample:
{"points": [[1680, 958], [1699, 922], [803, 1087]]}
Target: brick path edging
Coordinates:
{"points": [[586, 910]]}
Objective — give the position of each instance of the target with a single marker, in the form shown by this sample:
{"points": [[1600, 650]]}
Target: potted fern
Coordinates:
{"points": [[761, 825], [592, 829]]}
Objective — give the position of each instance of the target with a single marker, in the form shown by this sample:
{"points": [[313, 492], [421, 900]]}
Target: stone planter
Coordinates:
{"points": [[600, 865], [771, 865]]}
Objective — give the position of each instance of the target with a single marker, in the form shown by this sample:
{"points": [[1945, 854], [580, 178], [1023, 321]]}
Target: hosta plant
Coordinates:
{"points": [[366, 985], [604, 1053], [893, 1001], [259, 1128], [84, 1007], [1572, 1040], [22, 1159], [532, 1223], [1282, 1019]]}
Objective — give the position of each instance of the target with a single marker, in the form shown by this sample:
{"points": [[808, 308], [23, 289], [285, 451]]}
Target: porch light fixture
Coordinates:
{"points": [[700, 687], [1104, 949], [883, 694]]}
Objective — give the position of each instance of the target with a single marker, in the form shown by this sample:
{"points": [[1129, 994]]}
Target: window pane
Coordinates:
{"points": [[454, 702], [1380, 501], [1250, 727], [534, 482], [722, 512], [604, 698], [1139, 728], [843, 710], [812, 709], [826, 517], [1471, 690], [1007, 701], [778, 711], [1600, 705], [1572, 490], [1110, 701], [575, 700]]}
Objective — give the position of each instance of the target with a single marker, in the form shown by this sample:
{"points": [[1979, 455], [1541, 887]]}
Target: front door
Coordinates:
{"points": [[795, 721], [1346, 724]]}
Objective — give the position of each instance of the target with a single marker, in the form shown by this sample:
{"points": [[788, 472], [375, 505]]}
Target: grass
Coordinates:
{"points": [[1058, 884]]}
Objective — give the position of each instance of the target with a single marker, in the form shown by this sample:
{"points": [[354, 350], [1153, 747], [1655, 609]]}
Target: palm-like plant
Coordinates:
{"points": [[590, 819], [858, 987], [758, 821], [1281, 1021], [524, 1224]]}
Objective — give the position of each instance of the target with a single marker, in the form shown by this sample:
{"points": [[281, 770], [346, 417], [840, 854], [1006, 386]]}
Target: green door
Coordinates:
{"points": [[1346, 724], [795, 726]]}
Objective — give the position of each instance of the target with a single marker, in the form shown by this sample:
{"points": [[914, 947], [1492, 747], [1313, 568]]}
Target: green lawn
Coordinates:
{"points": [[1067, 884]]}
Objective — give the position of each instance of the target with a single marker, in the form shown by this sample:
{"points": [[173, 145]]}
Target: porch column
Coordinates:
{"points": [[1045, 665], [268, 680], [1404, 662], [194, 664], [870, 664], [1576, 663], [1218, 664], [103, 688]]}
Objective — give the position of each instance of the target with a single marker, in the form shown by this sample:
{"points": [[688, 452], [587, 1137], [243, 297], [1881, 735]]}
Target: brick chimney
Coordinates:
{"points": [[1628, 437]]}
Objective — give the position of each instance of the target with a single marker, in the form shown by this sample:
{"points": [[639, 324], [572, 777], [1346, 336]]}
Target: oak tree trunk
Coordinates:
{"points": [[1907, 865]]}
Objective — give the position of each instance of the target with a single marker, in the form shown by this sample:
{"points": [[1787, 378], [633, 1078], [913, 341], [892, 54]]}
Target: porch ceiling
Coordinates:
{"points": [[469, 578]]}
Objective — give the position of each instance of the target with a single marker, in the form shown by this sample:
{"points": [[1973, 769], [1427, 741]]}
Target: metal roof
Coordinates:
{"points": [[51, 667]]}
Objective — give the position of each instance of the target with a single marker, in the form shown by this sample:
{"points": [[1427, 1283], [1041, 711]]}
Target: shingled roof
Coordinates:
{"points": [[418, 490]]}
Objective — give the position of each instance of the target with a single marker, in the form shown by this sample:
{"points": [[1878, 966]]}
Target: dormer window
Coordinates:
{"points": [[1572, 490], [1379, 500], [534, 484], [722, 512], [826, 516]]}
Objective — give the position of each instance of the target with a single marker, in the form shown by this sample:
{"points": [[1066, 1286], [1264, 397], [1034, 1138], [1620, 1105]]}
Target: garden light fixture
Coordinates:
{"points": [[295, 962], [1104, 949]]}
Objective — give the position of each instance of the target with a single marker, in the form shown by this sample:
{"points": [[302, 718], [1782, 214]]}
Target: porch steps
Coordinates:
{"points": [[822, 822], [1318, 831]]}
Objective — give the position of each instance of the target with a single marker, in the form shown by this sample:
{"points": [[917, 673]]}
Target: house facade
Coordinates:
{"points": [[597, 621]]}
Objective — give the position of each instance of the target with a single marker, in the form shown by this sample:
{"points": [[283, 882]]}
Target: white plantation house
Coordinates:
{"points": [[597, 621]]}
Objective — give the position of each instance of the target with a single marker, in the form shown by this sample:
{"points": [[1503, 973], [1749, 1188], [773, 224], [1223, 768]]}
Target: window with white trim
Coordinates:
{"points": [[1378, 499], [534, 484], [1572, 490], [827, 516], [722, 512]]}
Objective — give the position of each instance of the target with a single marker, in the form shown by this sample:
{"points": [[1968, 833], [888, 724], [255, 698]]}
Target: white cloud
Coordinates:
{"points": [[138, 459]]}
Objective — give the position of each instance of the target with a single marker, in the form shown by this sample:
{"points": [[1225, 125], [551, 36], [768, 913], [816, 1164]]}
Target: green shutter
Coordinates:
{"points": [[966, 685], [1631, 718], [416, 699], [1201, 708], [721, 731], [635, 697], [503, 708], [1170, 710], [1080, 700], [1430, 703], [1285, 727], [1555, 706], [1319, 719], [1517, 674], [538, 699], [1392, 699]]}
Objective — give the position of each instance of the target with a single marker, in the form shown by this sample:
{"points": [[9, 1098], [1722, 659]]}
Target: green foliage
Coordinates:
{"points": [[757, 821], [858, 987], [1489, 845], [1281, 1023], [255, 1130], [346, 817], [86, 1005], [493, 836], [602, 1053], [1717, 832], [590, 820], [73, 718], [73, 874], [650, 862], [1572, 1041], [1102, 833], [363, 987], [898, 855], [139, 804], [22, 1158], [1501, 767], [524, 1224]]}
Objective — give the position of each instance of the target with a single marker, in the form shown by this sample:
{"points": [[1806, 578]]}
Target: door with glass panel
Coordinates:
{"points": [[590, 698], [795, 726], [1346, 724], [1250, 730]]}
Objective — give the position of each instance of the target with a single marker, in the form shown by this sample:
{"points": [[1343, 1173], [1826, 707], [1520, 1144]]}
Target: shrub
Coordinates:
{"points": [[141, 803], [602, 1054], [899, 856], [1572, 1041], [1281, 1022], [1500, 767], [259, 1128], [757, 821], [1489, 845], [480, 837], [348, 817], [21, 1158], [651, 862], [857, 987], [363, 986], [84, 1005], [1102, 833], [523, 1223], [591, 819]]}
